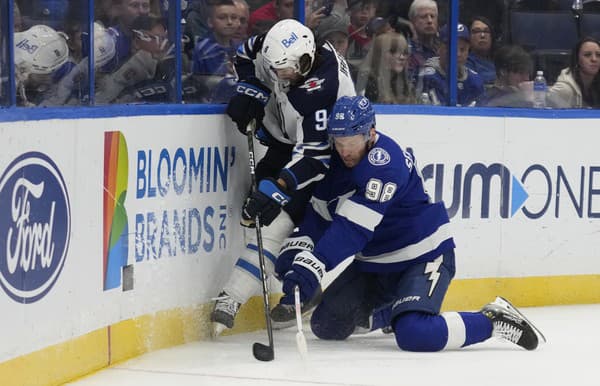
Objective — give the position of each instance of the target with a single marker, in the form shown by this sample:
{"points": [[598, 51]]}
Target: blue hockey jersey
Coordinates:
{"points": [[433, 79], [378, 211], [297, 114]]}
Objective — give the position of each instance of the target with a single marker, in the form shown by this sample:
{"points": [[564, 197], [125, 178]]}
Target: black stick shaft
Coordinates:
{"points": [[259, 243]]}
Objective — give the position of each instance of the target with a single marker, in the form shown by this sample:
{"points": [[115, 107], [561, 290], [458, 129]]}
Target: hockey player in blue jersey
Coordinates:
{"points": [[288, 86], [372, 204]]}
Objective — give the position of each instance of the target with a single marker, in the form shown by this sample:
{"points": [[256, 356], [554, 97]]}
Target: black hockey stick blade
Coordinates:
{"points": [[263, 352]]}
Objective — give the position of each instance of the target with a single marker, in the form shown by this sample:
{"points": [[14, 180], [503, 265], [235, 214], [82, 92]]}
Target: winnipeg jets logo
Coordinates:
{"points": [[432, 268], [313, 84], [379, 157]]}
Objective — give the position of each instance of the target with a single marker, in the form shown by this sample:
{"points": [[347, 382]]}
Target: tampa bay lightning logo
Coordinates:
{"points": [[35, 227], [378, 156]]}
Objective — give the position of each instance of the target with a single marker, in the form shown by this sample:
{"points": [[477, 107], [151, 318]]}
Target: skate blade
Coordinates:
{"points": [[217, 329], [514, 309]]}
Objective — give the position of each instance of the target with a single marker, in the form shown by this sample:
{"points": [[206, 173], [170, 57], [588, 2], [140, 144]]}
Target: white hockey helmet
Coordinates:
{"points": [[105, 47], [40, 50], [289, 44]]}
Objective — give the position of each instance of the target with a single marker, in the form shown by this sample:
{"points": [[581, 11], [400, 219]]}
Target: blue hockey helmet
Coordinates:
{"points": [[351, 116]]}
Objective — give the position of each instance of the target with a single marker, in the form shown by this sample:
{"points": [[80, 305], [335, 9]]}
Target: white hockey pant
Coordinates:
{"points": [[245, 280]]}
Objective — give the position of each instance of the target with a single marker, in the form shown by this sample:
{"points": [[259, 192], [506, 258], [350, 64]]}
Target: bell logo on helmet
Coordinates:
{"points": [[27, 46], [289, 41]]}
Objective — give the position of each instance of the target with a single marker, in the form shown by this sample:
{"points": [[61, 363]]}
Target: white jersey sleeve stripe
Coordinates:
{"points": [[411, 251], [318, 177], [359, 214], [320, 206]]}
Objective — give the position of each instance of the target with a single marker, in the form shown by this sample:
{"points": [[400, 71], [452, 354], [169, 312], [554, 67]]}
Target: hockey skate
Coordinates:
{"points": [[511, 325], [224, 313], [284, 315]]}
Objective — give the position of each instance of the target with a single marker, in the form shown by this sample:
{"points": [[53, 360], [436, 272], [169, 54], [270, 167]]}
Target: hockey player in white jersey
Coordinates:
{"points": [[372, 204], [288, 85]]}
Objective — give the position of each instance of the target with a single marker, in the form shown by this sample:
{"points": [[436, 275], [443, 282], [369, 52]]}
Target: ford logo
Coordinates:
{"points": [[35, 227]]}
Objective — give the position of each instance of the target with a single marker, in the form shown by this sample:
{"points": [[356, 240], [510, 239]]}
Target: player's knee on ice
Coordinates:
{"points": [[329, 325], [419, 331]]}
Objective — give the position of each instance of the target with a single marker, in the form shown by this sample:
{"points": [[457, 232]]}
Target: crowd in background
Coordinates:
{"points": [[397, 50]]}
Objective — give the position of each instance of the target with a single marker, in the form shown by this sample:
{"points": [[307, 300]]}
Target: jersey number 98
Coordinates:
{"points": [[377, 191]]}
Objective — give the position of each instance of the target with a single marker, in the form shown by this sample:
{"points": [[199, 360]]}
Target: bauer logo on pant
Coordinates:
{"points": [[35, 227]]}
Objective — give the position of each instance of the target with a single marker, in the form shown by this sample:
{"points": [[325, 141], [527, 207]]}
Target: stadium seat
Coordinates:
{"points": [[590, 24], [551, 62], [543, 30]]}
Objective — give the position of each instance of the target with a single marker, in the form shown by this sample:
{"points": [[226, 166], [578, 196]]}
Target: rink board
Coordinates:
{"points": [[133, 226]]}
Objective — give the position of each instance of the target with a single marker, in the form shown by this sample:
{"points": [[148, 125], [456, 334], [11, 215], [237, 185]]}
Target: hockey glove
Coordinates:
{"points": [[266, 202], [290, 248], [306, 272], [248, 103]]}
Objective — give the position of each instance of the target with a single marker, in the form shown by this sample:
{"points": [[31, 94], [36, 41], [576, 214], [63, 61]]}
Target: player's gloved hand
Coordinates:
{"points": [[306, 272], [289, 249], [266, 202], [248, 103]]}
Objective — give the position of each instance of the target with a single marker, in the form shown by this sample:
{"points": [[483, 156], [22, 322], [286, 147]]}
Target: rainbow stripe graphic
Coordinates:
{"points": [[116, 229]]}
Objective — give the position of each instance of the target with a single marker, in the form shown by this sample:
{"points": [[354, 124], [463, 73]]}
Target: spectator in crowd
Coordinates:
{"points": [[212, 59], [383, 77], [147, 75], [423, 14], [361, 12], [512, 87], [334, 29], [495, 11], [264, 17], [213, 55], [40, 54], [578, 85], [73, 88], [241, 33], [125, 12], [433, 78], [481, 52], [196, 26], [377, 26]]}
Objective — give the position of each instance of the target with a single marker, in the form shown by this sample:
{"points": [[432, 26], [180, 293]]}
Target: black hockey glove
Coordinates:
{"points": [[266, 202], [248, 103]]}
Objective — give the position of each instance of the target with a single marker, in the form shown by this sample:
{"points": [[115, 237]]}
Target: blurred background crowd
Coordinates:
{"points": [[398, 50]]}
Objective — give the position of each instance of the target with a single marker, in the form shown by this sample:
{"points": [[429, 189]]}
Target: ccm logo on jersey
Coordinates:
{"points": [[289, 41], [253, 92], [313, 84]]}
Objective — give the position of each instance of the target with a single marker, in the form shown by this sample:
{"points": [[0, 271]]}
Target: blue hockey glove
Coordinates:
{"points": [[266, 202], [306, 272], [248, 103], [290, 248]]}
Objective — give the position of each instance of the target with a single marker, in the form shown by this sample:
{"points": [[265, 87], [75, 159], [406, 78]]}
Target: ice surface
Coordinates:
{"points": [[571, 357]]}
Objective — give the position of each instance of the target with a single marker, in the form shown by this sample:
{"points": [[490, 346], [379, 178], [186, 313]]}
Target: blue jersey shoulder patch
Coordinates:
{"points": [[378, 156]]}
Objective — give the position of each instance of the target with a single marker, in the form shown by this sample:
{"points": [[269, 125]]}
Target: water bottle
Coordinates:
{"points": [[424, 99], [539, 90]]}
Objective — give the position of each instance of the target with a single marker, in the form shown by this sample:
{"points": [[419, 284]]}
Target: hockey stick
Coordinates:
{"points": [[300, 339], [260, 351]]}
